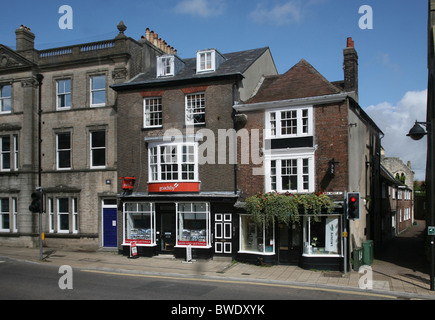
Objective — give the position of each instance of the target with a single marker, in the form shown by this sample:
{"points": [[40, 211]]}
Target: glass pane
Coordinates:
{"points": [[64, 222], [99, 157], [99, 97], [98, 139], [64, 141], [63, 205], [6, 144], [4, 205], [98, 82], [64, 159]]}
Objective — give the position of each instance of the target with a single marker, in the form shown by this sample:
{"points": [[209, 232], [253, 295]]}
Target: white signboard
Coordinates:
{"points": [[331, 235]]}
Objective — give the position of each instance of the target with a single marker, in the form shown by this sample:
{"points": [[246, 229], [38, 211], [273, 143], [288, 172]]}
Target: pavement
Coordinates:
{"points": [[400, 269]]}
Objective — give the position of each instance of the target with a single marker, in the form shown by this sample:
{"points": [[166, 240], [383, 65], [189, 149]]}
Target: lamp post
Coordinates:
{"points": [[39, 78], [417, 132]]}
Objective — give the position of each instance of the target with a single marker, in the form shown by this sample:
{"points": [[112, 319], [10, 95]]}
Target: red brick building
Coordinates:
{"points": [[316, 138]]}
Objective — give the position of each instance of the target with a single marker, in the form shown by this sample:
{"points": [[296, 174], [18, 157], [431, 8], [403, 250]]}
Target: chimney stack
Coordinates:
{"points": [[25, 42], [350, 67]]}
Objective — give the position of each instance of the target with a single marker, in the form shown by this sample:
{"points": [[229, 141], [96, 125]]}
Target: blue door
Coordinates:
{"points": [[110, 234]]}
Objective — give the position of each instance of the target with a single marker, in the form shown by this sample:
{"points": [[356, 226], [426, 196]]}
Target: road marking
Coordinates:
{"points": [[244, 282]]}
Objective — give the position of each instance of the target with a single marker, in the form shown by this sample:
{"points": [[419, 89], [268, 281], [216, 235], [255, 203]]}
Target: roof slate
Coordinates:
{"points": [[235, 63]]}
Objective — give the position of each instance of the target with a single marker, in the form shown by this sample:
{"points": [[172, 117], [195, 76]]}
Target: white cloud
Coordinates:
{"points": [[396, 121], [280, 14], [201, 8]]}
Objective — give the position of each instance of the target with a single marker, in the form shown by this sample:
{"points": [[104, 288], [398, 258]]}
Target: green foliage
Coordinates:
{"points": [[286, 208]]}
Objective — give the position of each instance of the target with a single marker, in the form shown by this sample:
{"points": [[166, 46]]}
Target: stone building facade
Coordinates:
{"points": [[78, 132]]}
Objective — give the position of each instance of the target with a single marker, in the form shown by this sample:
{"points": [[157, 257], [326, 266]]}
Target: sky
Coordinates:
{"points": [[390, 38]]}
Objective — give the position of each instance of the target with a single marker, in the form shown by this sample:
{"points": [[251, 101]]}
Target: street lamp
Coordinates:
{"points": [[417, 132]]}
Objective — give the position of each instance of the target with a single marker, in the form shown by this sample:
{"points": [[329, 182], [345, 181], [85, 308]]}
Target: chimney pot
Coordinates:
{"points": [[350, 43]]}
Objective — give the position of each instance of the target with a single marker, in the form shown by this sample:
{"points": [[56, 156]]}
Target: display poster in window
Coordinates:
{"points": [[331, 235]]}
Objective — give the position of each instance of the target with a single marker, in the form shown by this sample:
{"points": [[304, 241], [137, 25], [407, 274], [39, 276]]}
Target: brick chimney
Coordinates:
{"points": [[25, 42], [350, 67]]}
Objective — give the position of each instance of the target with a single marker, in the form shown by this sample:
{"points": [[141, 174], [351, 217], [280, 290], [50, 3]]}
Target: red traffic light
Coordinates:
{"points": [[352, 199]]}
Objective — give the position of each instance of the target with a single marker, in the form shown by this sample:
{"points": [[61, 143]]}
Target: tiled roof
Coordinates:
{"points": [[301, 81], [235, 63]]}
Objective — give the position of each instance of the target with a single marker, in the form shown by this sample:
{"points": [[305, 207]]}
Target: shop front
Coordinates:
{"points": [[313, 243], [157, 226]]}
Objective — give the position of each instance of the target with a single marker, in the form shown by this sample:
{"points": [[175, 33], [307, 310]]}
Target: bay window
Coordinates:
{"points": [[173, 162]]}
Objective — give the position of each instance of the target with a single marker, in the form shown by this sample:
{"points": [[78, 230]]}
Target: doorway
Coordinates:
{"points": [[110, 229], [166, 227], [290, 244]]}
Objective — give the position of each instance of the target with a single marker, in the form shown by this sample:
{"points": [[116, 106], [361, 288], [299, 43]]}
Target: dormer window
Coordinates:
{"points": [[208, 60], [165, 66]]}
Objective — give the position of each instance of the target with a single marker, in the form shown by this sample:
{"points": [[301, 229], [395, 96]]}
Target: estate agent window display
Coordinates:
{"points": [[193, 224]]}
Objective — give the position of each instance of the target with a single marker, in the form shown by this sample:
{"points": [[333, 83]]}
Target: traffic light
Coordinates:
{"points": [[36, 205], [353, 203]]}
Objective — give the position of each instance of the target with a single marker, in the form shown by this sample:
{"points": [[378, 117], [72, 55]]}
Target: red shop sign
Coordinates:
{"points": [[127, 183], [175, 187]]}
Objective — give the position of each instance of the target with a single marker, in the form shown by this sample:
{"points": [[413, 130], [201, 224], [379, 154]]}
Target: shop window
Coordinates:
{"points": [[193, 224], [322, 236], [140, 223], [255, 238]]}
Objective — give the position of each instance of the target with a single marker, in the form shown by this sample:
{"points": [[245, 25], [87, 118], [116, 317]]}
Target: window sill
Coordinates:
{"points": [[255, 252]]}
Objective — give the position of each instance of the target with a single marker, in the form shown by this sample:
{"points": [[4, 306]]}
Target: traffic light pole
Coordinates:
{"points": [[39, 78]]}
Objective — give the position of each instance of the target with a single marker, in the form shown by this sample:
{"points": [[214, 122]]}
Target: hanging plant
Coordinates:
{"points": [[286, 208]]}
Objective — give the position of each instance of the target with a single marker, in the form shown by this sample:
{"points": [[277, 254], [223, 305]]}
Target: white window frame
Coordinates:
{"points": [[262, 230], [4, 153], [4, 98], [8, 213], [299, 158], [152, 112], [308, 248], [202, 58], [75, 215], [62, 95], [16, 152], [92, 91], [15, 215], [157, 159], [51, 223], [63, 150], [59, 214], [165, 66], [195, 104], [275, 118], [92, 149]]}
